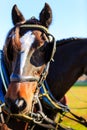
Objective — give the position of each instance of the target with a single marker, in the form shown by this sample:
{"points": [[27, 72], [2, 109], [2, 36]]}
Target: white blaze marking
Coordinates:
{"points": [[26, 43]]}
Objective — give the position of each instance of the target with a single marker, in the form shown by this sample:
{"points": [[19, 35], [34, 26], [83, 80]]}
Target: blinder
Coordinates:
{"points": [[50, 46]]}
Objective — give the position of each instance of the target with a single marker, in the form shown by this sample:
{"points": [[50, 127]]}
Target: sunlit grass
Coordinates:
{"points": [[77, 102]]}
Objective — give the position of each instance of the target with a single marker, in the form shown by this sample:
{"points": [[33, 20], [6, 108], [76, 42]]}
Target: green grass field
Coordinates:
{"points": [[77, 102]]}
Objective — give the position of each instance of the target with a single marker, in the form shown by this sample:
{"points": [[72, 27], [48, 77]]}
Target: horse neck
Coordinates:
{"points": [[69, 64]]}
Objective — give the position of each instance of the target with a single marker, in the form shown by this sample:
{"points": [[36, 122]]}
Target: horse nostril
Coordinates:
{"points": [[21, 104], [16, 106]]}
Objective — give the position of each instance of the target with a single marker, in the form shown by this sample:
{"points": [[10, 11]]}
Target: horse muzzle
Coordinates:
{"points": [[19, 96]]}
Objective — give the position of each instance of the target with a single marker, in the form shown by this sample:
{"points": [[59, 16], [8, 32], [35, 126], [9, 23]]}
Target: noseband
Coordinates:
{"points": [[19, 78]]}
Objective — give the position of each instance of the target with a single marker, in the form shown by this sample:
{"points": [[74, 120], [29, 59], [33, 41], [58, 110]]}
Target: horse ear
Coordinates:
{"points": [[16, 15], [46, 16]]}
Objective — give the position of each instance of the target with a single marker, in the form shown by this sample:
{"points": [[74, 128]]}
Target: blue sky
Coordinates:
{"points": [[69, 16]]}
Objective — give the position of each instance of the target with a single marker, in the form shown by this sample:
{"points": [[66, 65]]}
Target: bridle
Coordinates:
{"points": [[39, 116], [18, 78]]}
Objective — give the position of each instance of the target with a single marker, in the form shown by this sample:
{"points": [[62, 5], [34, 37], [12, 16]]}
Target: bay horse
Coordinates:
{"points": [[32, 57]]}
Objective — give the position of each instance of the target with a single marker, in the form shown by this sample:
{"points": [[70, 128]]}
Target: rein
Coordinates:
{"points": [[48, 98]]}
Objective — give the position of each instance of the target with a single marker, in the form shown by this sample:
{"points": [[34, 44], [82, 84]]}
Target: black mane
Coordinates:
{"points": [[66, 41]]}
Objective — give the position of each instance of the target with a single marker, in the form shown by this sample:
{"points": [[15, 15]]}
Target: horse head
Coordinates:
{"points": [[27, 51]]}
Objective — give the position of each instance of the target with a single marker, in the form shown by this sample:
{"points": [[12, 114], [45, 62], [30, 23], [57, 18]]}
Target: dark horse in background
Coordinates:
{"points": [[69, 64], [29, 52]]}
